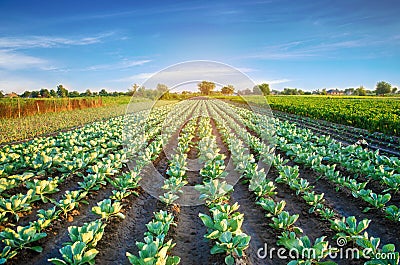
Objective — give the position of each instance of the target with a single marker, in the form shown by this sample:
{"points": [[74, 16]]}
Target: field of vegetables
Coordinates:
{"points": [[20, 129], [375, 114], [81, 196]]}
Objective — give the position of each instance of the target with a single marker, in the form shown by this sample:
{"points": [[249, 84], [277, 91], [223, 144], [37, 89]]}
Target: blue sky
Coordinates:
{"points": [[113, 44]]}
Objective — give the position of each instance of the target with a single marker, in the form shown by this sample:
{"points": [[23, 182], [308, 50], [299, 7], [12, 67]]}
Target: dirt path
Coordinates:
{"points": [[189, 233], [59, 231], [255, 223], [121, 236], [380, 226], [191, 246]]}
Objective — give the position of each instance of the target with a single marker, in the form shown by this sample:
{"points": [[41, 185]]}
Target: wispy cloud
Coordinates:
{"points": [[313, 48], [142, 12], [141, 77], [121, 65], [247, 69], [273, 81], [12, 57], [48, 41], [19, 83], [11, 60]]}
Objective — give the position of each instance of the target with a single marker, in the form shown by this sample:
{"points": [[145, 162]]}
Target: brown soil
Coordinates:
{"points": [[58, 233], [191, 246]]}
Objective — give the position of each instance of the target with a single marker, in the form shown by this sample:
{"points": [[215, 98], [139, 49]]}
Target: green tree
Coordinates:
{"points": [[1, 94], [323, 92], [88, 93], [247, 91], [35, 94], [103, 93], [227, 90], [206, 87], [394, 89], [383, 88], [62, 92], [134, 89], [256, 90], [140, 91], [26, 94], [264, 88], [360, 91], [53, 93], [349, 91], [74, 94], [162, 88], [44, 93], [292, 91]]}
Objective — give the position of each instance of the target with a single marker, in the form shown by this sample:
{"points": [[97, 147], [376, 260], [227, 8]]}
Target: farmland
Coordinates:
{"points": [[375, 114], [85, 195], [23, 128]]}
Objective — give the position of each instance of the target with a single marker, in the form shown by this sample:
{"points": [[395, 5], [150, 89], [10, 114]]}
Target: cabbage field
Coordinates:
{"points": [[202, 181]]}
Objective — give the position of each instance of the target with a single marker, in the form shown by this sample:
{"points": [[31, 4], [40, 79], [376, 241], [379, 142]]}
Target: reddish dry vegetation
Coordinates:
{"points": [[15, 108]]}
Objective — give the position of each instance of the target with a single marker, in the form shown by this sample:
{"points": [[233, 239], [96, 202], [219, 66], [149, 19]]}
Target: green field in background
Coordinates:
{"points": [[376, 114]]}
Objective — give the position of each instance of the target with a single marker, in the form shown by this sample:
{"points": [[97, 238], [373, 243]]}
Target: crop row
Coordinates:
{"points": [[347, 227], [295, 143], [23, 237], [224, 224]]}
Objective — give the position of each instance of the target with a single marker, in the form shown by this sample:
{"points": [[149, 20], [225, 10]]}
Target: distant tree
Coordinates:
{"points": [[26, 94], [323, 92], [62, 92], [74, 94], [140, 91], [349, 91], [264, 88], [133, 90], [227, 90], [292, 91], [246, 91], [256, 90], [103, 93], [206, 87], [360, 91], [162, 88], [44, 93], [383, 88], [1, 94], [53, 93], [35, 94], [88, 93], [394, 89]]}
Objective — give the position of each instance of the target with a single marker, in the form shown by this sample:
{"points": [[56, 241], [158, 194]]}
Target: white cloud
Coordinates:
{"points": [[48, 41], [12, 60], [121, 65], [274, 81], [18, 84], [312, 48], [246, 69], [139, 78]]}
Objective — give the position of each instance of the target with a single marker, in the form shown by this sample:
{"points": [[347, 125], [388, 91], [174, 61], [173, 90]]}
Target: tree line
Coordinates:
{"points": [[382, 88], [62, 92], [205, 88]]}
